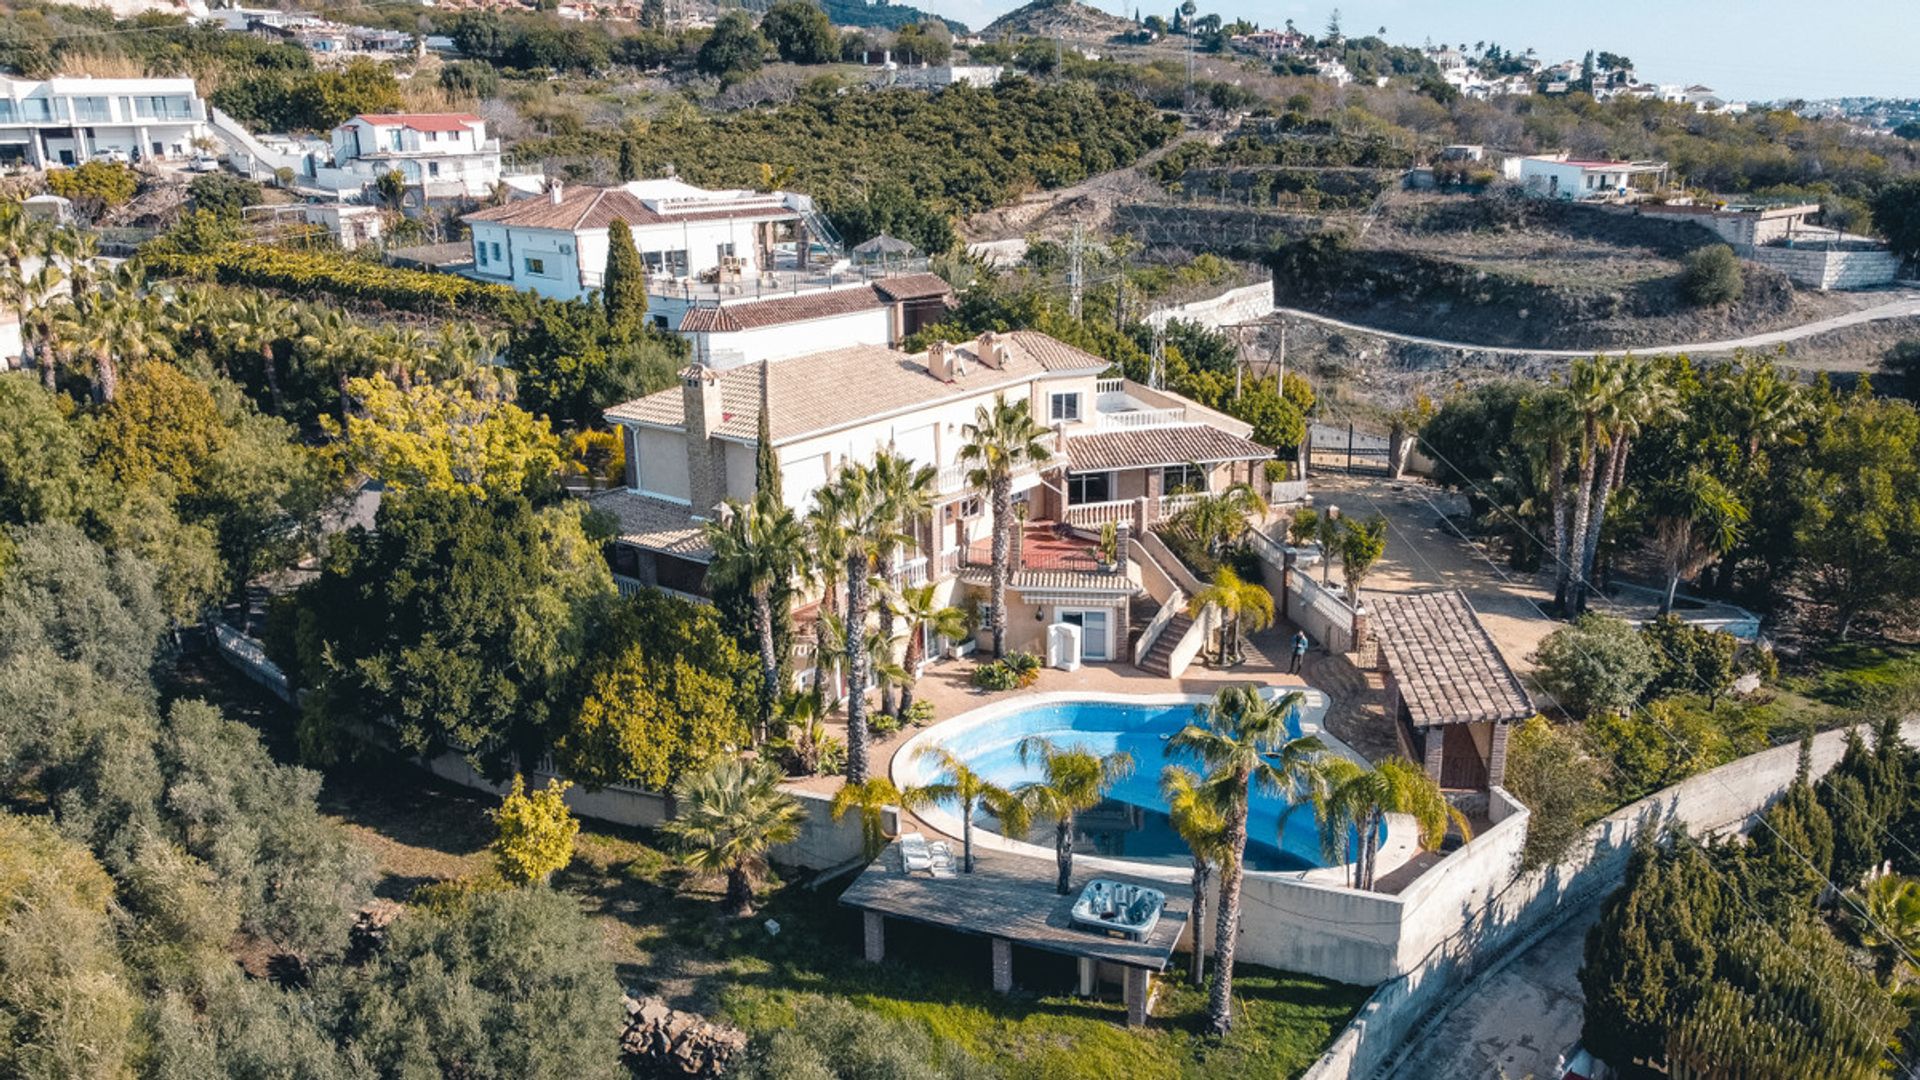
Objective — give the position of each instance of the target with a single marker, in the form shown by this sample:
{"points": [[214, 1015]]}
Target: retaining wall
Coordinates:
{"points": [[1240, 305], [1729, 797], [1817, 269]]}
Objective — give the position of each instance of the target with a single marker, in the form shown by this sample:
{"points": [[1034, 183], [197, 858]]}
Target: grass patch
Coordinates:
{"points": [[1853, 675]]}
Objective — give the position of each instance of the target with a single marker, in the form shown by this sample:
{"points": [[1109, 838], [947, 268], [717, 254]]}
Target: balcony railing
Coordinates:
{"points": [[1094, 515], [911, 573], [1142, 418], [1110, 386]]}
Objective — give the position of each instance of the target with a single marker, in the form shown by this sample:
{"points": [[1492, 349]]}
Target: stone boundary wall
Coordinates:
{"points": [[1729, 797], [1817, 269], [823, 843], [1245, 304]]}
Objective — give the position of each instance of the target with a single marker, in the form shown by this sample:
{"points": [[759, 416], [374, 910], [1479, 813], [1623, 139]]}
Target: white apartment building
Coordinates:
{"points": [[1121, 454], [443, 155], [67, 121]]}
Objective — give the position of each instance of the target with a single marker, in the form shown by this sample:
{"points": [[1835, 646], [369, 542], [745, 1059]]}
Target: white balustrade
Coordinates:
{"points": [[1143, 418]]}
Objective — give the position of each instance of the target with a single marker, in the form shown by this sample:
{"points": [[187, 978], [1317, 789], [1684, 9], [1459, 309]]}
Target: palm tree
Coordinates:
{"points": [[826, 556], [1646, 395], [906, 492], [1197, 817], [1594, 386], [1076, 779], [924, 618], [870, 798], [332, 340], [1246, 604], [1243, 740], [972, 791], [1219, 518], [1547, 421], [1695, 520], [1361, 798], [258, 322], [863, 519], [1886, 918], [758, 548], [113, 329], [726, 819], [1001, 440]]}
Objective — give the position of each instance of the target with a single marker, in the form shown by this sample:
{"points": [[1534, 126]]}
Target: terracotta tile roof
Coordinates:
{"points": [[1055, 355], [1443, 661], [582, 207], [1175, 445], [913, 287], [825, 391], [654, 524], [421, 121], [823, 304]]}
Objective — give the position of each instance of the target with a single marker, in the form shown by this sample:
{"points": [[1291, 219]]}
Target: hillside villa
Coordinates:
{"points": [[439, 155], [68, 120], [744, 275], [1122, 454], [1559, 176]]}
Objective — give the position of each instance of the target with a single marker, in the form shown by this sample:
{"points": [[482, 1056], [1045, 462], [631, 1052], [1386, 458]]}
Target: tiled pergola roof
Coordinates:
{"points": [[1443, 662]]}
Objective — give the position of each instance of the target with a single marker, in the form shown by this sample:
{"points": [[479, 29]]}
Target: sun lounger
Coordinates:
{"points": [[914, 854], [942, 859]]}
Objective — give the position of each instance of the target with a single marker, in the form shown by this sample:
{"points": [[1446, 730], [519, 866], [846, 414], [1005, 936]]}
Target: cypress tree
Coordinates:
{"points": [[624, 290], [766, 482], [628, 168]]}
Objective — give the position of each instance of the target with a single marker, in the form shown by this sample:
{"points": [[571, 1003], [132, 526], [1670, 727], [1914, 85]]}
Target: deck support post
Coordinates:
{"points": [[1138, 995], [1002, 965], [875, 926], [1086, 976]]}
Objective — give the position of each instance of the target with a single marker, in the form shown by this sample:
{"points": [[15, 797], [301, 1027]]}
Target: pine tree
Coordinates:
{"points": [[624, 291]]}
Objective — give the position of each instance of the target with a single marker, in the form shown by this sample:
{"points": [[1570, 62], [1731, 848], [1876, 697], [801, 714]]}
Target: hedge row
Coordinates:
{"points": [[314, 273]]}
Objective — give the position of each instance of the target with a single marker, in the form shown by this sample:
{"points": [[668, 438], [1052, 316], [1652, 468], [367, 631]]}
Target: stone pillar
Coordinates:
{"points": [[1436, 750], [1139, 995], [1287, 571], [1086, 976], [630, 443], [1002, 966], [1497, 755], [1143, 514], [875, 926], [1360, 631]]}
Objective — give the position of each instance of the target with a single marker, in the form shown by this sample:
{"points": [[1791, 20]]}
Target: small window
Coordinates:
{"points": [[1064, 408], [970, 507], [496, 251], [481, 250], [660, 321], [1090, 487], [536, 266], [1181, 479], [433, 168]]}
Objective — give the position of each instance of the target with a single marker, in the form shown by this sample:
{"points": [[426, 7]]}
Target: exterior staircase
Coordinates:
{"points": [[1141, 608], [1159, 659]]}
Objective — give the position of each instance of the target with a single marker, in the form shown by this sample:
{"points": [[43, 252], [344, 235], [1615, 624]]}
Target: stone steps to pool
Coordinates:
{"points": [[1159, 659]]}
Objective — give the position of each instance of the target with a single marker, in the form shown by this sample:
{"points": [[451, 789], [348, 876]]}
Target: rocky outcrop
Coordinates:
{"points": [[665, 1042]]}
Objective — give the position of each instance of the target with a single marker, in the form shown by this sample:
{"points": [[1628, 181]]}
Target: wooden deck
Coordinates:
{"points": [[1011, 897]]}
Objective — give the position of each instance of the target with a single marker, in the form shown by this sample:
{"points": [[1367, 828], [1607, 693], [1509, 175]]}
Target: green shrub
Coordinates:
{"points": [[833, 755], [920, 713], [1600, 664], [883, 724], [1017, 672], [1712, 277]]}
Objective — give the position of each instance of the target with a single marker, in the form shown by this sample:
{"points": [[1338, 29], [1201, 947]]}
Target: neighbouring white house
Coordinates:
{"points": [[941, 76], [1121, 454], [66, 121], [1558, 176], [442, 155], [743, 275]]}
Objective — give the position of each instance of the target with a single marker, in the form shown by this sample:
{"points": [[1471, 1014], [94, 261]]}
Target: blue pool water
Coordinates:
{"points": [[1133, 822]]}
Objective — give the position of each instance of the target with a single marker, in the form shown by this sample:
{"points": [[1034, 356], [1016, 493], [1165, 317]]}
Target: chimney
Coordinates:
{"points": [[553, 190], [991, 353], [703, 411], [940, 361]]}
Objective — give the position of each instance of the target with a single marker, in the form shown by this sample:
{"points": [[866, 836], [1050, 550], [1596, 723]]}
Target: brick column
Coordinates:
{"points": [[1360, 631], [1497, 755], [1286, 580], [1436, 748], [875, 925], [1139, 996], [1002, 965]]}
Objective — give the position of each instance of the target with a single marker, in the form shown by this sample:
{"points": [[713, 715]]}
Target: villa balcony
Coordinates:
{"points": [[1122, 406]]}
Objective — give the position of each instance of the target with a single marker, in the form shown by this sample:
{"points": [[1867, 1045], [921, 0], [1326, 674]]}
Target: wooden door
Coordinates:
{"points": [[1461, 765]]}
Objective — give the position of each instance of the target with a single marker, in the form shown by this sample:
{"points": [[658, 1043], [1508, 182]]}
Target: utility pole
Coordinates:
{"points": [[1157, 368], [1280, 384], [1189, 69], [1076, 270]]}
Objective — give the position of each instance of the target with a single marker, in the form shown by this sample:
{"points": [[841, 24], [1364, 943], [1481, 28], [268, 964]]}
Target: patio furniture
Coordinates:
{"points": [[914, 853], [942, 859], [1118, 907]]}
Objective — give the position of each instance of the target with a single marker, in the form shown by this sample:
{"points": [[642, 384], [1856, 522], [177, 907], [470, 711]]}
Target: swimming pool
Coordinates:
{"points": [[1132, 823]]}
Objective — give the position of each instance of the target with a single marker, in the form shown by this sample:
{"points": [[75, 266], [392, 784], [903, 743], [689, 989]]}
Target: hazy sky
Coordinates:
{"points": [[1745, 49]]}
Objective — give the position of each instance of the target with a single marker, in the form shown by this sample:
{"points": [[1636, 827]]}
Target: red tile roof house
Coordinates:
{"points": [[745, 276], [443, 155], [1121, 453]]}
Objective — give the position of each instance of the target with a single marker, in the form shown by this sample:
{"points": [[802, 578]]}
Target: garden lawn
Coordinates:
{"points": [[664, 933]]}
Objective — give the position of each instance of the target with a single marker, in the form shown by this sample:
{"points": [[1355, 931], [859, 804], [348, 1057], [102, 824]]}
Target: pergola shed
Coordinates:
{"points": [[1449, 692]]}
